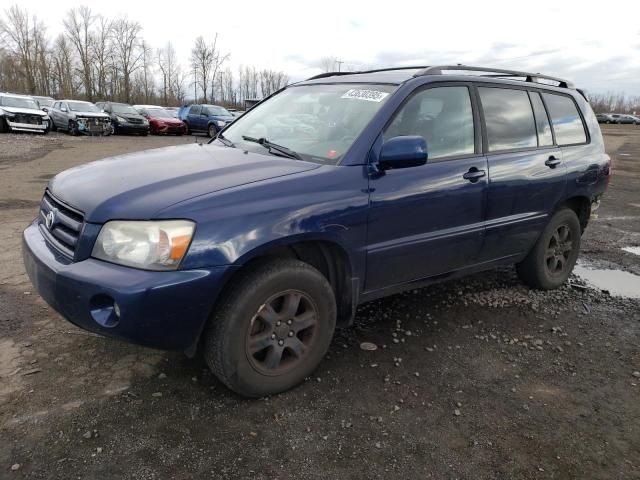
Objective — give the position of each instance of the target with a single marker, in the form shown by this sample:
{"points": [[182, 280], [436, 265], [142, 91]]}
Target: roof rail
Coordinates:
{"points": [[495, 72], [375, 70]]}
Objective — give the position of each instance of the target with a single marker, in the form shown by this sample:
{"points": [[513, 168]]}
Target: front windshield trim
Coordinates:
{"points": [[343, 106], [84, 107]]}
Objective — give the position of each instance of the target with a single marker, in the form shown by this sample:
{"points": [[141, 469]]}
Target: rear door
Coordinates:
{"points": [[527, 176], [428, 220]]}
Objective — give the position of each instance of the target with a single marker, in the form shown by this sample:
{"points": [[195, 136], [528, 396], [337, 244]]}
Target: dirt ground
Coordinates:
{"points": [[479, 378]]}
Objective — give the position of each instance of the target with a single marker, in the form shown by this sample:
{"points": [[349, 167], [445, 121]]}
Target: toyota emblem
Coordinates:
{"points": [[50, 219]]}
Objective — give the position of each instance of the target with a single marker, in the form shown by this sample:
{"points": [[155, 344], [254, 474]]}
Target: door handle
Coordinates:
{"points": [[552, 162], [473, 175]]}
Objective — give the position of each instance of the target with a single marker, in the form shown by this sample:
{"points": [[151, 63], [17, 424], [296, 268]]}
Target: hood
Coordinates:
{"points": [[128, 116], [137, 185], [171, 120], [90, 114], [30, 111]]}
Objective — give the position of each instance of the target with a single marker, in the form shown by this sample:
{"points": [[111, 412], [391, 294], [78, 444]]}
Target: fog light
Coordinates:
{"points": [[104, 311]]}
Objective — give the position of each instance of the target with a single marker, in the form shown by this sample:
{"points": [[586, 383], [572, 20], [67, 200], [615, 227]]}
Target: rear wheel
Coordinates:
{"points": [[554, 255], [271, 329]]}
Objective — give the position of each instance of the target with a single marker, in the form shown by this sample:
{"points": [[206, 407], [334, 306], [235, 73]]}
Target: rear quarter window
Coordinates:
{"points": [[509, 118], [565, 119]]}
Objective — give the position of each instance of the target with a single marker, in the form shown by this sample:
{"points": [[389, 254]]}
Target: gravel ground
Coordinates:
{"points": [[477, 378]]}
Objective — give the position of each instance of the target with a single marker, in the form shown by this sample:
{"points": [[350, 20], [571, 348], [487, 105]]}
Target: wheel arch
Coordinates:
{"points": [[581, 205], [329, 257]]}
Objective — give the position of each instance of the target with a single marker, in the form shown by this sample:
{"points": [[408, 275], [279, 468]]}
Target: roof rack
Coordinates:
{"points": [[386, 69], [495, 72]]}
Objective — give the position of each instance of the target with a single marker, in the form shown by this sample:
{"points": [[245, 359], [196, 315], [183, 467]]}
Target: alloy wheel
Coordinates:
{"points": [[282, 332], [559, 250]]}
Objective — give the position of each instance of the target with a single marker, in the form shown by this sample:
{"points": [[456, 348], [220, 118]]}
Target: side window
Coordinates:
{"points": [[443, 116], [195, 110], [545, 138], [56, 105], [565, 118], [509, 118]]}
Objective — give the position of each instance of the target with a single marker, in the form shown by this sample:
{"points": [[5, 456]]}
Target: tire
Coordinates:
{"points": [[187, 130], [211, 131], [52, 127], [4, 128], [550, 262], [253, 313], [72, 128]]}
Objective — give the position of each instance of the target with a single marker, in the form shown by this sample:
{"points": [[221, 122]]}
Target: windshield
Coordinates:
{"points": [[45, 102], [159, 113], [319, 122], [82, 107], [122, 108], [18, 102], [215, 110]]}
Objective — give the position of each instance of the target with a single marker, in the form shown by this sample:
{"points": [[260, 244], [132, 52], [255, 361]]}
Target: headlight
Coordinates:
{"points": [[45, 117], [121, 119], [152, 245], [220, 123], [145, 121]]}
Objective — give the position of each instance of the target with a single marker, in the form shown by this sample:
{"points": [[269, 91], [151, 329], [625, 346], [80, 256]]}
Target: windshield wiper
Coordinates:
{"points": [[273, 147], [224, 140]]}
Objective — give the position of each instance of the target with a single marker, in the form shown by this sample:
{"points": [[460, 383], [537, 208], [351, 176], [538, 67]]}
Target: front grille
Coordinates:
{"points": [[135, 120], [65, 230], [94, 125], [28, 119]]}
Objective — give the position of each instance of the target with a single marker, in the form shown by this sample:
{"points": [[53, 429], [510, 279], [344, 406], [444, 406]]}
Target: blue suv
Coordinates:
{"points": [[335, 191], [209, 119]]}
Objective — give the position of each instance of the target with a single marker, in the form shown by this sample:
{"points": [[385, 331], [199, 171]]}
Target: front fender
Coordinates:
{"points": [[329, 203]]}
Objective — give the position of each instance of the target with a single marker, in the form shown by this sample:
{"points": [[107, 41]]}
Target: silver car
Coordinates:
{"points": [[78, 117], [20, 113]]}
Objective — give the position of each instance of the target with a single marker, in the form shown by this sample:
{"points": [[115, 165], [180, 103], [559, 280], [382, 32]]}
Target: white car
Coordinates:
{"points": [[20, 113]]}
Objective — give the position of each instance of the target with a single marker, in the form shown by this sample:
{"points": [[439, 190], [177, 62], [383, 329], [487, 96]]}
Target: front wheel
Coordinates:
{"points": [[211, 131], [272, 329], [554, 255]]}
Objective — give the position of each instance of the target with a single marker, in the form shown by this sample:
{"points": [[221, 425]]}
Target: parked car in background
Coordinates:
{"points": [[160, 120], [252, 248], [21, 113], [209, 119], [124, 118], [235, 112], [79, 117], [605, 118], [628, 120], [45, 103]]}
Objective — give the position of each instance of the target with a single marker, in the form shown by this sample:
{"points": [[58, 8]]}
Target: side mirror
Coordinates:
{"points": [[403, 152], [63, 109]]}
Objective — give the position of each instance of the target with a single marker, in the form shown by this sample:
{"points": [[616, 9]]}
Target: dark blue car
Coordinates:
{"points": [[333, 192], [209, 119]]}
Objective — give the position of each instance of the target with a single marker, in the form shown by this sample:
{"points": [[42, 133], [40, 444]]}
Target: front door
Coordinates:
{"points": [[429, 220]]}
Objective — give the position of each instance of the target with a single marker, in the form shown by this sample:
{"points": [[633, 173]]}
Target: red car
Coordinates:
{"points": [[161, 121]]}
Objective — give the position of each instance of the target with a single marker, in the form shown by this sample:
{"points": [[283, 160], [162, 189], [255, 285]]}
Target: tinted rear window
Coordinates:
{"points": [[509, 119], [542, 120], [565, 118]]}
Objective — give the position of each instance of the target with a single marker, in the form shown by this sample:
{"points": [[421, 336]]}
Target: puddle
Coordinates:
{"points": [[616, 282], [634, 250]]}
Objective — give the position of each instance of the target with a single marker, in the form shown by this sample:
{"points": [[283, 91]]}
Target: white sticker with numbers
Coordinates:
{"points": [[368, 95]]}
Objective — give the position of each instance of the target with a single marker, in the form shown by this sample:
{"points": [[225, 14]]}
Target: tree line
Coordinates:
{"points": [[615, 103], [100, 58]]}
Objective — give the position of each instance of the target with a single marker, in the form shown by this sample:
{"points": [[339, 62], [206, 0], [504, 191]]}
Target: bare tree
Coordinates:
{"points": [[128, 54], [77, 24], [272, 81], [24, 37], [328, 64], [206, 60], [63, 67], [169, 71], [102, 52]]}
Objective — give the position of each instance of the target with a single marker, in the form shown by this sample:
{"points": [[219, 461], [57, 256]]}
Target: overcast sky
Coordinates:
{"points": [[594, 43]]}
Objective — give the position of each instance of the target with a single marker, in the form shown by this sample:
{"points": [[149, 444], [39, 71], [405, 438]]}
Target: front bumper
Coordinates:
{"points": [[168, 129], [166, 310], [28, 127], [130, 128]]}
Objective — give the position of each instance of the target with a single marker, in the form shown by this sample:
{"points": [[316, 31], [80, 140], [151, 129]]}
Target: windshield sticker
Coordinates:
{"points": [[368, 95]]}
